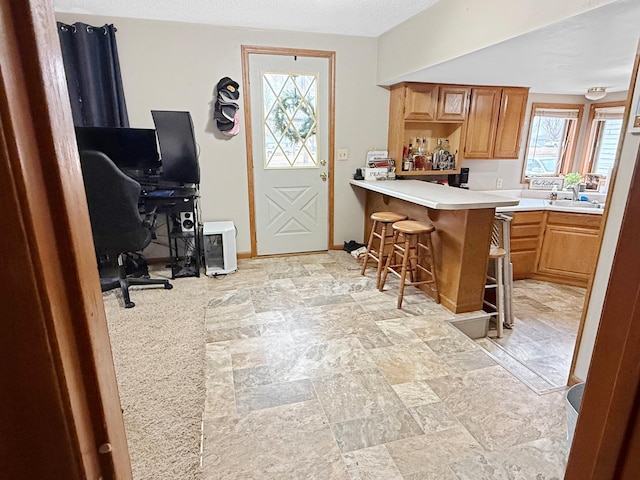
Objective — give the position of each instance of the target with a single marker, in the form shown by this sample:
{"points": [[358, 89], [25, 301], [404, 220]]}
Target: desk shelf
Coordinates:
{"points": [[185, 250]]}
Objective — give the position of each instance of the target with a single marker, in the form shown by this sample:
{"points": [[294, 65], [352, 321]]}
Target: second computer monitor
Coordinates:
{"points": [[131, 149], [178, 149]]}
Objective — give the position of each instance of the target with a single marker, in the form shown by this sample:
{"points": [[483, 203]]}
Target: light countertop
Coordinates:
{"points": [[531, 204], [438, 197]]}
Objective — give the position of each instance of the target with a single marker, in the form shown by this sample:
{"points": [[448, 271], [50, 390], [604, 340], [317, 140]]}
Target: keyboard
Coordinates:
{"points": [[160, 193]]}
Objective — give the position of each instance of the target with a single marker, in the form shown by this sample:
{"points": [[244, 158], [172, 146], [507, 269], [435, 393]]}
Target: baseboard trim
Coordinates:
{"points": [[573, 380]]}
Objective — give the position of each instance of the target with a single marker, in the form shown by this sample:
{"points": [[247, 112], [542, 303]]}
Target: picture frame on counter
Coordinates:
{"points": [[592, 181], [546, 183]]}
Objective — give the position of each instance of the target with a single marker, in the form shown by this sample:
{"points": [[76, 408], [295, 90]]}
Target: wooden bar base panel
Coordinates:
{"points": [[461, 244]]}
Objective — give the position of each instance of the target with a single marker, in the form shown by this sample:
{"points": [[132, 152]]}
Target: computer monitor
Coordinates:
{"points": [[129, 148], [178, 149]]}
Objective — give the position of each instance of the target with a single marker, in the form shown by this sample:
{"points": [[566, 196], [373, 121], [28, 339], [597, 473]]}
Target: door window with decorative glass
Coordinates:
{"points": [[552, 137], [604, 135], [290, 121]]}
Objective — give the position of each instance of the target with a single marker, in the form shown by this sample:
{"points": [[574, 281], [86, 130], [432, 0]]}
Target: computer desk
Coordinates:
{"points": [[181, 208]]}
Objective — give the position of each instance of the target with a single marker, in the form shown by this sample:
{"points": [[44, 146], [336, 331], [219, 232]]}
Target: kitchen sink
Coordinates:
{"points": [[574, 204]]}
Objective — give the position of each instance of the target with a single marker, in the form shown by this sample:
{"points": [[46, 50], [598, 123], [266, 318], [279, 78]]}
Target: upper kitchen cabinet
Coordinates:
{"points": [[494, 124], [420, 101], [509, 132], [426, 111], [453, 102], [440, 103]]}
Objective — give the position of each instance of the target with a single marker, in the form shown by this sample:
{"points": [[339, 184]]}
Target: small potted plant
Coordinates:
{"points": [[571, 179]]}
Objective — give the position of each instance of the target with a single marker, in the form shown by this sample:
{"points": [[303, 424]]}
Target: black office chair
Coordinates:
{"points": [[116, 222]]}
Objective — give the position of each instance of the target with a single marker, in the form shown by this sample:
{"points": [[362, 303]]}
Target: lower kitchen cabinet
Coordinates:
{"points": [[555, 246], [526, 234], [570, 246]]}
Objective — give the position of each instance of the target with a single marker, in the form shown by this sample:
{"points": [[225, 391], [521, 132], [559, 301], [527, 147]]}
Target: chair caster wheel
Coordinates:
{"points": [[129, 305], [168, 286]]}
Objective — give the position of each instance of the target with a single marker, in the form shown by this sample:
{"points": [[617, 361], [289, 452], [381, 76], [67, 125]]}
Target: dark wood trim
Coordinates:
{"points": [[59, 403], [261, 50]]}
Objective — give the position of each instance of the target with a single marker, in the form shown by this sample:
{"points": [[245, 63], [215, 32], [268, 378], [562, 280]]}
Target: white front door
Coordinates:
{"points": [[290, 138]]}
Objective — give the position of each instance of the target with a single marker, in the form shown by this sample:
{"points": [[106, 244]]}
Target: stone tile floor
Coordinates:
{"points": [[314, 374], [540, 348]]}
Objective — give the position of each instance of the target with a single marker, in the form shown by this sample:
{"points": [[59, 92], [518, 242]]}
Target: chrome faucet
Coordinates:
{"points": [[575, 189]]}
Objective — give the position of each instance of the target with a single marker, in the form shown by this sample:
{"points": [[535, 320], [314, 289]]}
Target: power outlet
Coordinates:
{"points": [[499, 183], [343, 154]]}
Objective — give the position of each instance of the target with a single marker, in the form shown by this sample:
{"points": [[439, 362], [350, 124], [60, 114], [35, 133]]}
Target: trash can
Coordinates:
{"points": [[573, 399]]}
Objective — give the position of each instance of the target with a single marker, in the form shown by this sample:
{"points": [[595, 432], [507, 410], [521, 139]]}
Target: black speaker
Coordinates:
{"points": [[187, 223], [464, 176]]}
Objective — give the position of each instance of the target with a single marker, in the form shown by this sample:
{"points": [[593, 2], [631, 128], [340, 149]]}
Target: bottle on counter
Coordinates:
{"points": [[422, 149], [407, 159], [445, 156], [437, 156], [405, 162]]}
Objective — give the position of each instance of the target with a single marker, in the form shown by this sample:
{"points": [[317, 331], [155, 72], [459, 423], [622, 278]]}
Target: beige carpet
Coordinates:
{"points": [[158, 350]]}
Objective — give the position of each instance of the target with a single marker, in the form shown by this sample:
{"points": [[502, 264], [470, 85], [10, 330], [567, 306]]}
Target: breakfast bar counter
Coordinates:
{"points": [[463, 220]]}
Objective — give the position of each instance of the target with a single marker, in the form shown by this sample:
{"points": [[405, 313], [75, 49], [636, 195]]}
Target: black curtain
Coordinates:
{"points": [[93, 75]]}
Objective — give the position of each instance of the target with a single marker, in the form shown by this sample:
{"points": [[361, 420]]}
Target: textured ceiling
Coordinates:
{"points": [[596, 48], [368, 18]]}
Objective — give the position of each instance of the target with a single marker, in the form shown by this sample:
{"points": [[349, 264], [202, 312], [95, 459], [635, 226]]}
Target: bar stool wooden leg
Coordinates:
{"points": [[432, 267], [405, 260], [382, 253], [390, 258], [380, 220], [369, 245], [409, 251]]}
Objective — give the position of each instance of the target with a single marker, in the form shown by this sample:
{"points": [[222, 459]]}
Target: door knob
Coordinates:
{"points": [[323, 162], [323, 176]]}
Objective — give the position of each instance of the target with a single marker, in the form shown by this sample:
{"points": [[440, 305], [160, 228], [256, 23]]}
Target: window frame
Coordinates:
{"points": [[570, 152], [586, 164]]}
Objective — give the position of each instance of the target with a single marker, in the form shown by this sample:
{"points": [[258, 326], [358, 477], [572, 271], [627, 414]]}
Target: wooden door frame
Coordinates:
{"points": [[246, 84], [60, 413]]}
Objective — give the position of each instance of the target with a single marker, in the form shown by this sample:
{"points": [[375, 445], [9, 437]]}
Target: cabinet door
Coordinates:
{"points": [[509, 129], [452, 103], [421, 101], [569, 252], [482, 122], [526, 231]]}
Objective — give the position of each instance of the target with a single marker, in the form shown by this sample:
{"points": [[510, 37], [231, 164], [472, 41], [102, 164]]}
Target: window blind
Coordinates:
{"points": [[556, 113]]}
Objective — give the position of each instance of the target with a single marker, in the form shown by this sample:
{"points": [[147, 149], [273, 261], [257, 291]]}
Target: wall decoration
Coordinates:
{"points": [[225, 111], [545, 183]]}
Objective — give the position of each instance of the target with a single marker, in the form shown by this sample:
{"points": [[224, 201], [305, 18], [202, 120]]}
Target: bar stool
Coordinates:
{"points": [[497, 255], [379, 255], [416, 257]]}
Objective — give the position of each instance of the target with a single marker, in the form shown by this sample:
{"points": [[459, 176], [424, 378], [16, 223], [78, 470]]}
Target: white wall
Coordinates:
{"points": [[453, 28], [176, 66], [484, 173], [617, 203]]}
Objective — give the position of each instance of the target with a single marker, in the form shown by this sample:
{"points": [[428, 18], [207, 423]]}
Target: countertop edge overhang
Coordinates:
{"points": [[438, 197]]}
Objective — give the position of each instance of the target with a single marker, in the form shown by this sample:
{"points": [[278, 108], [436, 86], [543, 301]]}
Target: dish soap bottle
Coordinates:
{"points": [[554, 193]]}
